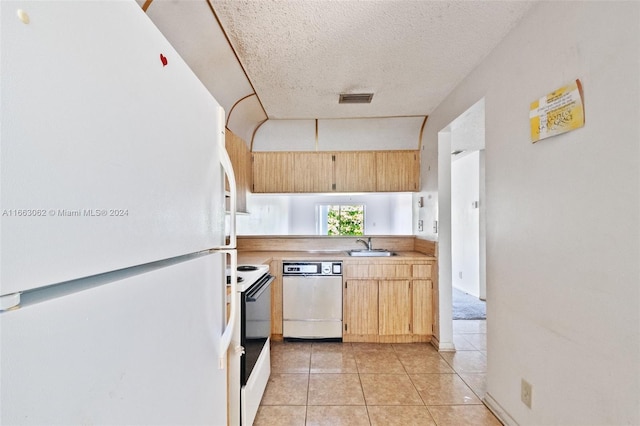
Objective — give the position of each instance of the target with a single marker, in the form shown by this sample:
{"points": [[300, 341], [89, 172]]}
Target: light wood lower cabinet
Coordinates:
{"points": [[394, 307], [422, 306], [387, 302], [360, 315], [275, 269]]}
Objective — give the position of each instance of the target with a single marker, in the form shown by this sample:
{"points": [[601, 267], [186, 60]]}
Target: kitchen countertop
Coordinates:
{"points": [[265, 257]]}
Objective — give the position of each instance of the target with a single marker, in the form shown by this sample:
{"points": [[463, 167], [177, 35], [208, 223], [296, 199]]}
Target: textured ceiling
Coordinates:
{"points": [[299, 55]]}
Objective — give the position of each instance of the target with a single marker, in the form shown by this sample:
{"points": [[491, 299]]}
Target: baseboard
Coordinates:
{"points": [[498, 411], [442, 347]]}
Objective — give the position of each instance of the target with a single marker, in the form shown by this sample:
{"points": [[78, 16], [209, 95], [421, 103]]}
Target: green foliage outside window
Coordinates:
{"points": [[345, 220]]}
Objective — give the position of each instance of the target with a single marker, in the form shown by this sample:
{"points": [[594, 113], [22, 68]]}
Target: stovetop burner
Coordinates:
{"points": [[245, 268], [248, 275]]}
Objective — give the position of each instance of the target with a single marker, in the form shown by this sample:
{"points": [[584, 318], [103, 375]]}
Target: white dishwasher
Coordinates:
{"points": [[312, 300]]}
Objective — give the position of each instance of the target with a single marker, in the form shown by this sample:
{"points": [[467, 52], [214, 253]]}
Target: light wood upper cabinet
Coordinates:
{"points": [[273, 172], [355, 171], [349, 171], [313, 172], [397, 171], [241, 161]]}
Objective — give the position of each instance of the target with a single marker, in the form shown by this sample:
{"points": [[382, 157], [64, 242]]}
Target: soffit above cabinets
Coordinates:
{"points": [[290, 60], [357, 134]]}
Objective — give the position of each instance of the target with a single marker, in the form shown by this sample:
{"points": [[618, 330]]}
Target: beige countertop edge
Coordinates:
{"points": [[265, 257]]}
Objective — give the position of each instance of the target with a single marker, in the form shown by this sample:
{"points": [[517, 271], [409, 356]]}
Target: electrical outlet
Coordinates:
{"points": [[420, 225], [526, 391]]}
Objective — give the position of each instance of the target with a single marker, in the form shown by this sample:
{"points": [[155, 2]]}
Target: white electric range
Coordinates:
{"points": [[253, 291]]}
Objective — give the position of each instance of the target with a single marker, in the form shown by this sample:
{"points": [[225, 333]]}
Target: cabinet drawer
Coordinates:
{"points": [[356, 271], [389, 271], [378, 270], [421, 271]]}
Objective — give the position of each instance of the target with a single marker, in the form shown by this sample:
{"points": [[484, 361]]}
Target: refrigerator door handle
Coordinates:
{"points": [[225, 161], [9, 301], [225, 340]]}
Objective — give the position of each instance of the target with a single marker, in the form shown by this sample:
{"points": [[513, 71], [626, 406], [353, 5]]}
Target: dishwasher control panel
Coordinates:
{"points": [[312, 268]]}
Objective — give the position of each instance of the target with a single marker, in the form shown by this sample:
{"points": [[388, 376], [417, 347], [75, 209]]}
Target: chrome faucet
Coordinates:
{"points": [[366, 243]]}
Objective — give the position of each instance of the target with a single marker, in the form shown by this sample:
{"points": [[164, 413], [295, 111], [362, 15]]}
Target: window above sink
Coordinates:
{"points": [[340, 219]]}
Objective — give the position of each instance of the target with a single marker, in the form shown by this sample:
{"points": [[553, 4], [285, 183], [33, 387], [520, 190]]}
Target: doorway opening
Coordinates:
{"points": [[461, 214], [469, 291]]}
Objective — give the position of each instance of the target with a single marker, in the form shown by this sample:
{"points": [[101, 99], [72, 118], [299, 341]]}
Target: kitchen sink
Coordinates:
{"points": [[370, 253]]}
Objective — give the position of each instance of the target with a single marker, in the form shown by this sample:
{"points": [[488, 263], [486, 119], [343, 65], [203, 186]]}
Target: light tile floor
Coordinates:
{"points": [[379, 384]]}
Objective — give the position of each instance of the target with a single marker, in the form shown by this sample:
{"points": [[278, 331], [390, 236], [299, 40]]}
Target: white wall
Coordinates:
{"points": [[465, 222], [295, 214], [428, 213], [563, 216]]}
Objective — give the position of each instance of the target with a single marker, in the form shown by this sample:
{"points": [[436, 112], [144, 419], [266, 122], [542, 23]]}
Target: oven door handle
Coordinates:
{"points": [[255, 294]]}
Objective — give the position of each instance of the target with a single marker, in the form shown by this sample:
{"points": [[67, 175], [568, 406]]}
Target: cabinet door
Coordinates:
{"points": [[276, 298], [313, 172], [361, 307], [422, 307], [355, 171], [273, 171], [394, 307], [397, 170]]}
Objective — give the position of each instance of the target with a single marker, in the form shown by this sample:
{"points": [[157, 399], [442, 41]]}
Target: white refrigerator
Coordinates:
{"points": [[113, 244]]}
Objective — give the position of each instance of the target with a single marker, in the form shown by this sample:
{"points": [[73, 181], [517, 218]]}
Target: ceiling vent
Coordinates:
{"points": [[355, 98]]}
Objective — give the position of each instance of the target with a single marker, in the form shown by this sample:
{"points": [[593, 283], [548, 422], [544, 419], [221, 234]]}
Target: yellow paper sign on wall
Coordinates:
{"points": [[558, 112]]}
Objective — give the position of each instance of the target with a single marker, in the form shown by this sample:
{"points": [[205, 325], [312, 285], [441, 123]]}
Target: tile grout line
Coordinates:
{"points": [[364, 397]]}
